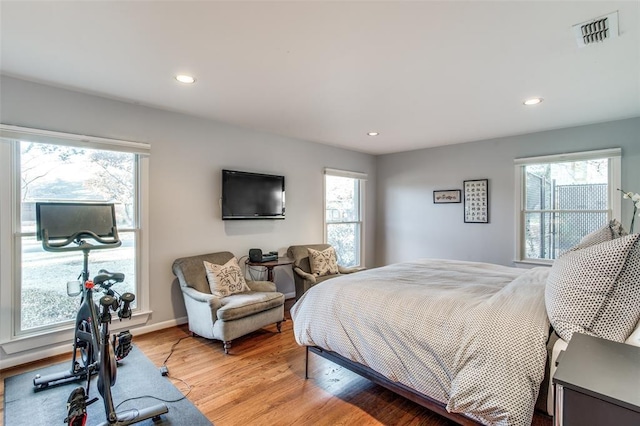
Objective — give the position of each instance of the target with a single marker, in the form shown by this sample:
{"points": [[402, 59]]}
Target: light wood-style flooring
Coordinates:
{"points": [[261, 382]]}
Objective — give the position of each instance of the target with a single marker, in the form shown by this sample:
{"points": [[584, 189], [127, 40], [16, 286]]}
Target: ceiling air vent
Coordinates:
{"points": [[596, 30]]}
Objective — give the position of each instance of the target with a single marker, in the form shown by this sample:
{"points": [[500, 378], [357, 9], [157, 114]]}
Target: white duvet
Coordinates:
{"points": [[470, 335]]}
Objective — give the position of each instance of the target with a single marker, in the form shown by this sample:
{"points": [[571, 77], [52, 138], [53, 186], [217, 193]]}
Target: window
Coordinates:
{"points": [[48, 166], [562, 198], [344, 200]]}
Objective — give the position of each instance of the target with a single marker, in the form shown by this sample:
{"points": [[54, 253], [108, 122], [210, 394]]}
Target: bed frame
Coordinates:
{"points": [[396, 387]]}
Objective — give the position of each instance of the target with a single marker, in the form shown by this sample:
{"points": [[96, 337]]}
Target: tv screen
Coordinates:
{"points": [[252, 195]]}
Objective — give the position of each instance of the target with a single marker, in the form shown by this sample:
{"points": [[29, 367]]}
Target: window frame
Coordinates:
{"points": [[362, 179], [12, 340], [613, 155]]}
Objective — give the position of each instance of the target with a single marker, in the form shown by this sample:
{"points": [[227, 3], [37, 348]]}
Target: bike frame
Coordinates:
{"points": [[108, 366], [87, 313]]}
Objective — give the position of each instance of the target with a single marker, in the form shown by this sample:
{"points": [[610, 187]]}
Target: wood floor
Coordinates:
{"points": [[261, 382]]}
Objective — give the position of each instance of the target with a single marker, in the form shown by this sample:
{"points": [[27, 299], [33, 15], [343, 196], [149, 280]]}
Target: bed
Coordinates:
{"points": [[465, 339]]}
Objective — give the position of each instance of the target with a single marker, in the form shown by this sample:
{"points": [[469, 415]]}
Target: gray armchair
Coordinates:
{"points": [[225, 318], [302, 275]]}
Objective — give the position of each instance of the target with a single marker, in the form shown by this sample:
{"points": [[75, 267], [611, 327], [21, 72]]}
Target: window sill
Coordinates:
{"points": [[532, 263], [49, 338]]}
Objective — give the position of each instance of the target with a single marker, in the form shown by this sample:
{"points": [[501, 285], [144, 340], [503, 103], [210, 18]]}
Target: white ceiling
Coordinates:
{"points": [[422, 73]]}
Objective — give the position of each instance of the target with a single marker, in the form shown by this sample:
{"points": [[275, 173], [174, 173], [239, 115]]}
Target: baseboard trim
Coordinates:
{"points": [[40, 354], [159, 326]]}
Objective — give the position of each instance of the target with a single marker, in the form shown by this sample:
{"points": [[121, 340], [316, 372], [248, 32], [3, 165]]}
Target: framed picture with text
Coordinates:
{"points": [[447, 196], [476, 201]]}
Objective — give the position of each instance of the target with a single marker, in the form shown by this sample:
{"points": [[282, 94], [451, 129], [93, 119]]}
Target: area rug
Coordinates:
{"points": [[137, 377]]}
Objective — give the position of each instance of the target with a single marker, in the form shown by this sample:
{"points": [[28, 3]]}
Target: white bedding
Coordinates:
{"points": [[470, 335]]}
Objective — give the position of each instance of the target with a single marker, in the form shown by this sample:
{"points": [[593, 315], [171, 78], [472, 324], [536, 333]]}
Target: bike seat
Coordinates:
{"points": [[106, 276]]}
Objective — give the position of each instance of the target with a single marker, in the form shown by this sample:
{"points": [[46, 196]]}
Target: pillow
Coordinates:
{"points": [[226, 279], [610, 231], [323, 262], [596, 290]]}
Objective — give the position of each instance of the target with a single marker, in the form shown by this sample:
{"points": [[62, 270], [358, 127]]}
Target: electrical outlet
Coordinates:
{"points": [[164, 370]]}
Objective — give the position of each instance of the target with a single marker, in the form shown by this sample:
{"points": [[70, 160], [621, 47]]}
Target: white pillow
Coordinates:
{"points": [[226, 279], [608, 232], [596, 290], [323, 262]]}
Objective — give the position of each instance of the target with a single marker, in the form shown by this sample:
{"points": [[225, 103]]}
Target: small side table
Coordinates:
{"points": [[597, 383], [282, 261]]}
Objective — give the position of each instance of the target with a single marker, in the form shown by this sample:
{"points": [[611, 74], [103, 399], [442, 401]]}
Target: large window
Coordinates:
{"points": [[47, 166], [344, 197], [564, 197], [61, 173]]}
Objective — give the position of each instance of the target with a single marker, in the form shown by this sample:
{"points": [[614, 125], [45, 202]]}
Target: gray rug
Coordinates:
{"points": [[137, 377]]}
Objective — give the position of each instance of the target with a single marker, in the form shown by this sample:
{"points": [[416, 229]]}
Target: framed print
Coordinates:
{"points": [[476, 201], [447, 196]]}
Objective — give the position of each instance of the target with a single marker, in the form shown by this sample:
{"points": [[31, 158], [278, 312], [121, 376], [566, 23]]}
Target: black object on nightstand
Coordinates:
{"points": [[597, 383]]}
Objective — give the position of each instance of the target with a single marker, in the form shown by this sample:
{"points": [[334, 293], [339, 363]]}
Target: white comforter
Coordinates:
{"points": [[470, 335]]}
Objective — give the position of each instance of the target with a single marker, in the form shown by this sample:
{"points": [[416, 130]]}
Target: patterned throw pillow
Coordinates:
{"points": [[226, 279], [596, 290], [610, 231], [323, 262]]}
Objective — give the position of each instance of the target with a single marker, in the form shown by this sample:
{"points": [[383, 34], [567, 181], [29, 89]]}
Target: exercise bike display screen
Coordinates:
{"points": [[64, 220]]}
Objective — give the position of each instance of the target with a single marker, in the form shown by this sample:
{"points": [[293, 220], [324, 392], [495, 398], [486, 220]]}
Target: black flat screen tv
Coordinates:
{"points": [[252, 195]]}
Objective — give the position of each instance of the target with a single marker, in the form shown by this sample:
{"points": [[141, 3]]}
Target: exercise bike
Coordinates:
{"points": [[94, 352]]}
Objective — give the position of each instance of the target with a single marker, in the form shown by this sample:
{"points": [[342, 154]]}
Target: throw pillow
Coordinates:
{"points": [[226, 279], [596, 290], [323, 262], [608, 232]]}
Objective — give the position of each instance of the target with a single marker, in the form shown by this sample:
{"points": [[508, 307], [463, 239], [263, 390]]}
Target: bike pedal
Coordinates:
{"points": [[77, 408], [122, 344]]}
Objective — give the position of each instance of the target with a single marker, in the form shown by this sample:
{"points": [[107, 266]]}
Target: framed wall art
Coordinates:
{"points": [[447, 196], [476, 201]]}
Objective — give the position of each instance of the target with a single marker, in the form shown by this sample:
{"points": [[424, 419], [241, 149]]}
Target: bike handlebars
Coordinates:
{"points": [[112, 242]]}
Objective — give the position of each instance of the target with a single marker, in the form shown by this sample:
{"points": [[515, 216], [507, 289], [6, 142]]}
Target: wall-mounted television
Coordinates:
{"points": [[248, 195]]}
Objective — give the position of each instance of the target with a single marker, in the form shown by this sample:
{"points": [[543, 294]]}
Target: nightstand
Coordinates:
{"points": [[597, 383], [269, 265]]}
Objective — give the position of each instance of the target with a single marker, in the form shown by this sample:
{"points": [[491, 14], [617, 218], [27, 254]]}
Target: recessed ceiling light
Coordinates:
{"points": [[187, 79], [532, 101], [373, 133]]}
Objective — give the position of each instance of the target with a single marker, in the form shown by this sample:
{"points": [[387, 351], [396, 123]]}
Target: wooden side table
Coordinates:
{"points": [[281, 261], [597, 383]]}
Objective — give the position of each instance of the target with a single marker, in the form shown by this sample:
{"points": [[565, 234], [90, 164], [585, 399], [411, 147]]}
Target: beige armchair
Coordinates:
{"points": [[225, 318], [302, 275]]}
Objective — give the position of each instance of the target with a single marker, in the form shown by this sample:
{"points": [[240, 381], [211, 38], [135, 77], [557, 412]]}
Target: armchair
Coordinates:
{"points": [[225, 318], [302, 275]]}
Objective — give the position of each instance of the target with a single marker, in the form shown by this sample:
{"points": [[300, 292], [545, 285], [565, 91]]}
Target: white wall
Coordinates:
{"points": [[187, 156], [410, 226]]}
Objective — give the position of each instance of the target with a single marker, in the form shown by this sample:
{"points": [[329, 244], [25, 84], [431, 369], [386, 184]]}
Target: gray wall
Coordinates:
{"points": [[187, 156], [410, 226]]}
